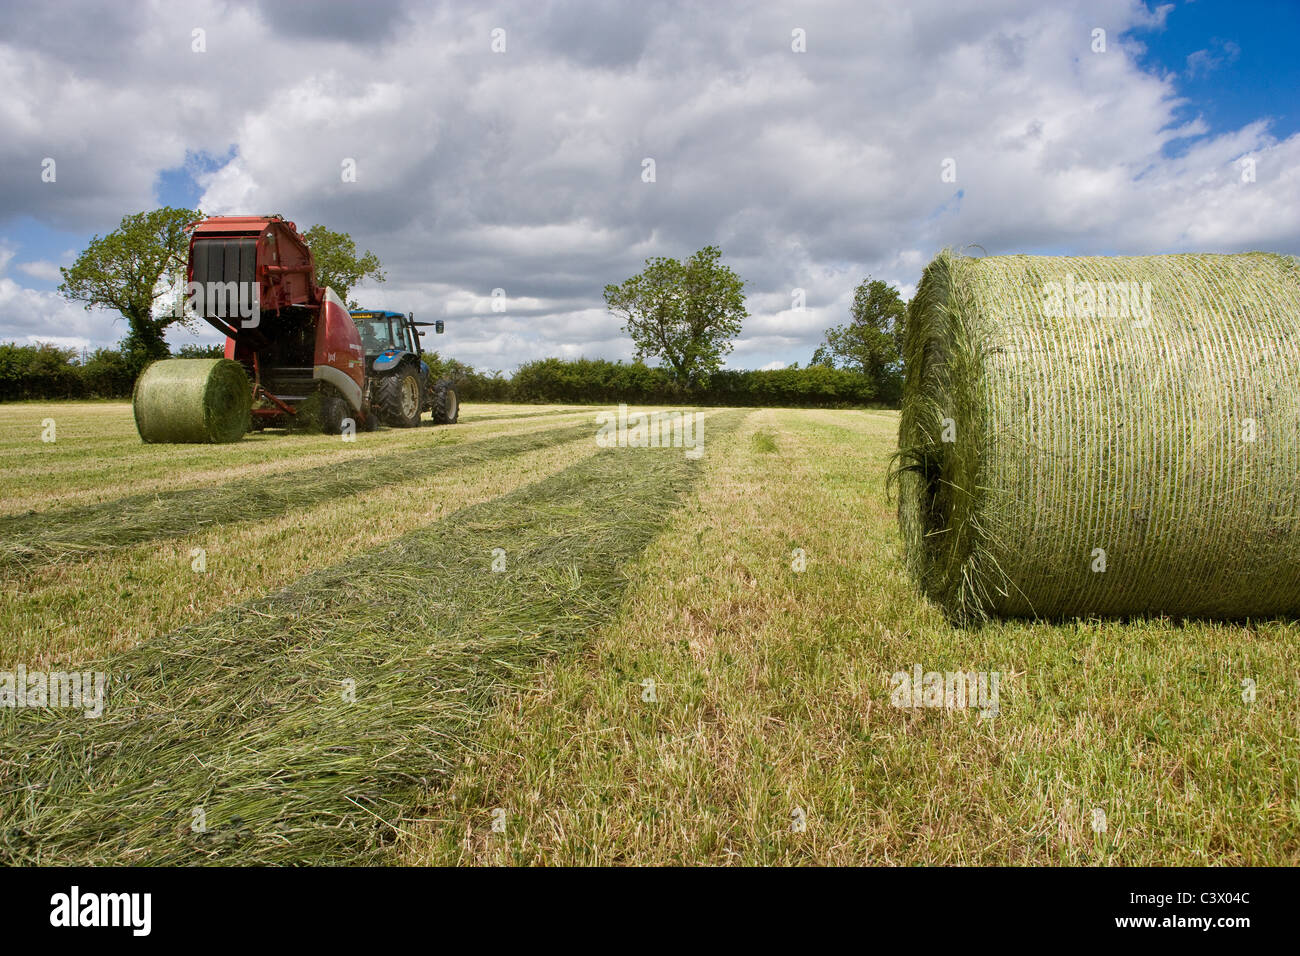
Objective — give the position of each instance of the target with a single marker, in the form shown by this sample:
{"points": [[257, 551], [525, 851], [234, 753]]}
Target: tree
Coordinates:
{"points": [[871, 341], [683, 313], [107, 373], [337, 263], [200, 351], [37, 371], [130, 270]]}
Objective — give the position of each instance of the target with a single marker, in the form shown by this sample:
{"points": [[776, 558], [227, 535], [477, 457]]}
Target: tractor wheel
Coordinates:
{"points": [[446, 404], [398, 398], [333, 410]]}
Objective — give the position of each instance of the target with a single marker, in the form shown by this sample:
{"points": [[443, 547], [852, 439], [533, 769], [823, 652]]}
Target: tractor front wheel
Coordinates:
{"points": [[398, 398]]}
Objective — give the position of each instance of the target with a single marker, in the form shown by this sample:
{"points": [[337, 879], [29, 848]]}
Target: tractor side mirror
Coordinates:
{"points": [[437, 326]]}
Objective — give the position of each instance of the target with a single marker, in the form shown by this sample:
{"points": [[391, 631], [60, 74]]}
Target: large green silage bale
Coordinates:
{"points": [[182, 401], [1136, 454]]}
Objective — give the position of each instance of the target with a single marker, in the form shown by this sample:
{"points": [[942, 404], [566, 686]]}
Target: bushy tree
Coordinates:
{"points": [[199, 351], [133, 270], [107, 373], [685, 314], [870, 342], [37, 371]]}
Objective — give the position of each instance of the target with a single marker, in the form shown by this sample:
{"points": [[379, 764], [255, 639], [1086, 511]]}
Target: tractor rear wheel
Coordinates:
{"points": [[446, 404], [398, 398]]}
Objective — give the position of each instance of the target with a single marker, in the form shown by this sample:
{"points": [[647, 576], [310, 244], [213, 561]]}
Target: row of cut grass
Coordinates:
{"points": [[60, 614], [246, 715], [83, 466], [32, 540], [495, 413]]}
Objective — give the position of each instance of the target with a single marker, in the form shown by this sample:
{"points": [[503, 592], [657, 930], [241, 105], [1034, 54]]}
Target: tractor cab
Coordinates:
{"points": [[386, 332]]}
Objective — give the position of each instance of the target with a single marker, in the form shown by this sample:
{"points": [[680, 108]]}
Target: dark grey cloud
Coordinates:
{"points": [[610, 36], [345, 21]]}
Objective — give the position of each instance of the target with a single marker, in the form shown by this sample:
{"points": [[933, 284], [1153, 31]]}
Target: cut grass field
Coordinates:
{"points": [[650, 680]]}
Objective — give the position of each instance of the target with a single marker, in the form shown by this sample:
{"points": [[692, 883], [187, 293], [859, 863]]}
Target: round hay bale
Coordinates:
{"points": [[182, 401], [1103, 436]]}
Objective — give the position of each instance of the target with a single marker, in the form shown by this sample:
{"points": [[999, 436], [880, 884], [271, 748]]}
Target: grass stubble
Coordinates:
{"points": [[98, 452]]}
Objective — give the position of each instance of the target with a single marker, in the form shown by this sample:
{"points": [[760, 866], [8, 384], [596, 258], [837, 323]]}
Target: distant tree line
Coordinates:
{"points": [[50, 372], [599, 381]]}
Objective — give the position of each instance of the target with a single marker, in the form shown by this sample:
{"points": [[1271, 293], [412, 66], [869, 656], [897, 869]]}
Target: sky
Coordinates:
{"points": [[505, 146]]}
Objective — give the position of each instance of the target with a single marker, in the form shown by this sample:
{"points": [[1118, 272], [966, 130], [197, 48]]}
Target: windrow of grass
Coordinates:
{"points": [[510, 413], [59, 614], [32, 540], [302, 726], [97, 452], [771, 736]]}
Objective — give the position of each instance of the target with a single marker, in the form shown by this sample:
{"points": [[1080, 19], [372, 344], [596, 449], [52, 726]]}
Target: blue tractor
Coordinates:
{"points": [[400, 383]]}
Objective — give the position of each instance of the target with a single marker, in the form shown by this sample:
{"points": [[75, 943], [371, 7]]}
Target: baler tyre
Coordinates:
{"points": [[446, 404], [398, 397], [333, 410]]}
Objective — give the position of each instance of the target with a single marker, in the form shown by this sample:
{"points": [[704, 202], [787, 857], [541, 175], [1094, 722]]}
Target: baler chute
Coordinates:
{"points": [[254, 280]]}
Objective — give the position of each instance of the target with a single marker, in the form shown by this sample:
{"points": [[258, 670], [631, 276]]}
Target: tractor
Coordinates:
{"points": [[253, 278], [401, 386]]}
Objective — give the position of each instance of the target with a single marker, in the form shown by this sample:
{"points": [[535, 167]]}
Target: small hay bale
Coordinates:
{"points": [[182, 401], [1103, 436]]}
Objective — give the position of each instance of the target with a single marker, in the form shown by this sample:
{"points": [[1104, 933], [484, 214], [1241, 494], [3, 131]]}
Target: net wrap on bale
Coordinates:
{"points": [[1103, 436], [192, 400]]}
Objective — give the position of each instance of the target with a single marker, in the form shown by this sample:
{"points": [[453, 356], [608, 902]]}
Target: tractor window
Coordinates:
{"points": [[377, 335]]}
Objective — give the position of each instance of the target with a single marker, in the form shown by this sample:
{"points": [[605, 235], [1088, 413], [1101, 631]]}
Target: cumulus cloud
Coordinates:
{"points": [[41, 269], [32, 315], [522, 170]]}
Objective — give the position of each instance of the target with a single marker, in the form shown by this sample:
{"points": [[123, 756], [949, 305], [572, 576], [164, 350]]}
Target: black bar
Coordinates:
{"points": [[938, 909]]}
